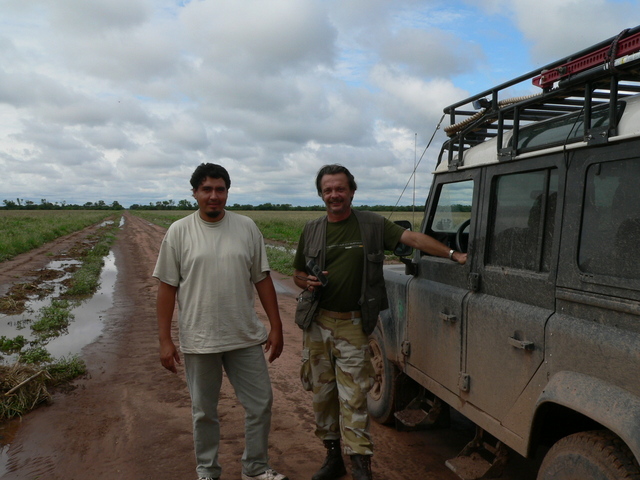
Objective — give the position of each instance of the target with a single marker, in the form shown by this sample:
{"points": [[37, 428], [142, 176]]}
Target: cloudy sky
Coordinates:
{"points": [[119, 100]]}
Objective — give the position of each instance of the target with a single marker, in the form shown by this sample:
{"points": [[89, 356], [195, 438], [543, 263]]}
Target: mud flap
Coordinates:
{"points": [[479, 459]]}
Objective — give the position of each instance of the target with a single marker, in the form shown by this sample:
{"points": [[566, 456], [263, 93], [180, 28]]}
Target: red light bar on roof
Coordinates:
{"points": [[624, 47]]}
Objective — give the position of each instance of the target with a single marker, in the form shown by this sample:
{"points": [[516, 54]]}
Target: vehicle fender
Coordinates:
{"points": [[613, 407], [388, 326], [393, 320]]}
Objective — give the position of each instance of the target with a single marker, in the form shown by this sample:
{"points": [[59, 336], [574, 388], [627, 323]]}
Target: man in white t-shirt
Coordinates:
{"points": [[210, 262]]}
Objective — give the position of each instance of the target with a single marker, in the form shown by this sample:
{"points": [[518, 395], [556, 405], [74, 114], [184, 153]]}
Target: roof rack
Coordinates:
{"points": [[591, 80]]}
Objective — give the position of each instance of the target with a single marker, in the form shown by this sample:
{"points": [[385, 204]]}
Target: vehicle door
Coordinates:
{"points": [[597, 330], [435, 295], [506, 315]]}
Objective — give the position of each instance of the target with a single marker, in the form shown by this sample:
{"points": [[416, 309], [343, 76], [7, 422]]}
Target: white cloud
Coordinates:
{"points": [[562, 27], [122, 99]]}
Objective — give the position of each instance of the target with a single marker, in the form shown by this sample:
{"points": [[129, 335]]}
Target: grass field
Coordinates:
{"points": [[21, 231], [282, 227]]}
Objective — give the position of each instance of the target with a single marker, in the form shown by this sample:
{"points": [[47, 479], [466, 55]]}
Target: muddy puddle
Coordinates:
{"points": [[85, 327]]}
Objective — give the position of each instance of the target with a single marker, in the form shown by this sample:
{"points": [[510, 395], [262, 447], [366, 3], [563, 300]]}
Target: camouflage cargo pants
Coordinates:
{"points": [[337, 368]]}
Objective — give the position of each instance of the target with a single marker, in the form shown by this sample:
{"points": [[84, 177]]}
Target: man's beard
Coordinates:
{"points": [[214, 214]]}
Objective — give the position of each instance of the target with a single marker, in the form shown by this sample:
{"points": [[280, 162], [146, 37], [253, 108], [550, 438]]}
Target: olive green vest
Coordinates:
{"points": [[373, 296]]}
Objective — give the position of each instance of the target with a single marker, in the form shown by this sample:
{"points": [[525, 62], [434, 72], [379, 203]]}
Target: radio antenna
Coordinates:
{"points": [[416, 165]]}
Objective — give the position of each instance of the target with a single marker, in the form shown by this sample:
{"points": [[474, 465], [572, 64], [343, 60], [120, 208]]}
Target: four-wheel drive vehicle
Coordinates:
{"points": [[536, 339]]}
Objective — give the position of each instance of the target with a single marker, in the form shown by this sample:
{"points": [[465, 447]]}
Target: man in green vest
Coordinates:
{"points": [[348, 246]]}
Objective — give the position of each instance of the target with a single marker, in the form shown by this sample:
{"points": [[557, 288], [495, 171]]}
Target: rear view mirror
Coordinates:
{"points": [[401, 249]]}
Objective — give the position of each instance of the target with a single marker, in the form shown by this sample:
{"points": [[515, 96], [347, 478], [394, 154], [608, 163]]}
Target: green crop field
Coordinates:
{"points": [[281, 227], [24, 230]]}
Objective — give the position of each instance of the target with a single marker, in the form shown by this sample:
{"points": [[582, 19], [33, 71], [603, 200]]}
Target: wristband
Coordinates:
{"points": [[451, 252]]}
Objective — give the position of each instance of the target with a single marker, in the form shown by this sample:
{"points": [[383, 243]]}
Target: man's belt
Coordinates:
{"points": [[340, 315]]}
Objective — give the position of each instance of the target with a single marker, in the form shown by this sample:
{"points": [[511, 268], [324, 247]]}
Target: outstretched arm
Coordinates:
{"points": [[430, 245]]}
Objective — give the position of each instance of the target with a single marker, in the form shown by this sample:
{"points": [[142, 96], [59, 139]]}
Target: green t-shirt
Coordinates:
{"points": [[345, 262]]}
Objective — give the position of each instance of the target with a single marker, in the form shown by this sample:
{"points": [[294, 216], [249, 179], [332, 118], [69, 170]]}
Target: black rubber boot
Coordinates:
{"points": [[361, 467], [333, 466]]}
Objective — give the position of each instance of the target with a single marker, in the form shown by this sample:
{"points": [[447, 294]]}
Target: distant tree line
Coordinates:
{"points": [[20, 204], [187, 205], [166, 205], [184, 204]]}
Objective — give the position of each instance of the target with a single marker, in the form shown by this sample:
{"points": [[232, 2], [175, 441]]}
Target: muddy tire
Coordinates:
{"points": [[595, 455], [381, 399]]}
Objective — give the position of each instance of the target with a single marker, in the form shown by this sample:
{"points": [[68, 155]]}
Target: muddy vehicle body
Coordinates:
{"points": [[536, 339]]}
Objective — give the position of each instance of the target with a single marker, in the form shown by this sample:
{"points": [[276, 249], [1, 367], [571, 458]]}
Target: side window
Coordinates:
{"points": [[610, 233], [523, 209], [449, 218]]}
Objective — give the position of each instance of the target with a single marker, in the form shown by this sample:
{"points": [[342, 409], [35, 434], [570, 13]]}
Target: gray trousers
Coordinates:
{"points": [[247, 371]]}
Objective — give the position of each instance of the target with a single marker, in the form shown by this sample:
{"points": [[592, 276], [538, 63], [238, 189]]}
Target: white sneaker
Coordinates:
{"points": [[269, 474]]}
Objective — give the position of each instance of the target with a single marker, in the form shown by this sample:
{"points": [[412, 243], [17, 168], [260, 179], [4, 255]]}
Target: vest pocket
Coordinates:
{"points": [[375, 273]]}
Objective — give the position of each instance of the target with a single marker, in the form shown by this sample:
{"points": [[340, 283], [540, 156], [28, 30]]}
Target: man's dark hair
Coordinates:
{"points": [[212, 170], [333, 170]]}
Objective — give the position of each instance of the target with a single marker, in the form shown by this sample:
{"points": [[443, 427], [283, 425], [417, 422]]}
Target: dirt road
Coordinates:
{"points": [[130, 419]]}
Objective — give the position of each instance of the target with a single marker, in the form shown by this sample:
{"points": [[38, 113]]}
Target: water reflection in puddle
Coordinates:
{"points": [[14, 325], [85, 328], [86, 325]]}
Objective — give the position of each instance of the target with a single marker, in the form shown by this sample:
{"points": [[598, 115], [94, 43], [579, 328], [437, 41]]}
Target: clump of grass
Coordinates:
{"points": [[65, 370], [22, 388], [35, 355], [25, 386], [54, 320], [11, 305], [12, 345], [86, 279]]}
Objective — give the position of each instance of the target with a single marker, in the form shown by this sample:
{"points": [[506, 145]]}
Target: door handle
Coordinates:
{"points": [[522, 344], [446, 317]]}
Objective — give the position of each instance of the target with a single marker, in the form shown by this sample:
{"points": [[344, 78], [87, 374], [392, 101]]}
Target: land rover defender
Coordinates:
{"points": [[536, 340]]}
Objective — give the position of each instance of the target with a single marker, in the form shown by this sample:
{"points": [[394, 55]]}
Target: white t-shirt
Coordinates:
{"points": [[214, 265]]}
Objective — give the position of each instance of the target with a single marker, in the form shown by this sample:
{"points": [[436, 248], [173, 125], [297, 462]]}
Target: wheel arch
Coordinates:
{"points": [[573, 402]]}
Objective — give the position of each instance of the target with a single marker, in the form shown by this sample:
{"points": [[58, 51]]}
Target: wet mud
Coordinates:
{"points": [[130, 419]]}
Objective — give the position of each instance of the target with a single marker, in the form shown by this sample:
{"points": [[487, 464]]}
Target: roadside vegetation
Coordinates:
{"points": [[24, 230], [27, 381], [281, 229]]}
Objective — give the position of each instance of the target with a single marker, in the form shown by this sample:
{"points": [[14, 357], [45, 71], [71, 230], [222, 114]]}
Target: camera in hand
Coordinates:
{"points": [[316, 271]]}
